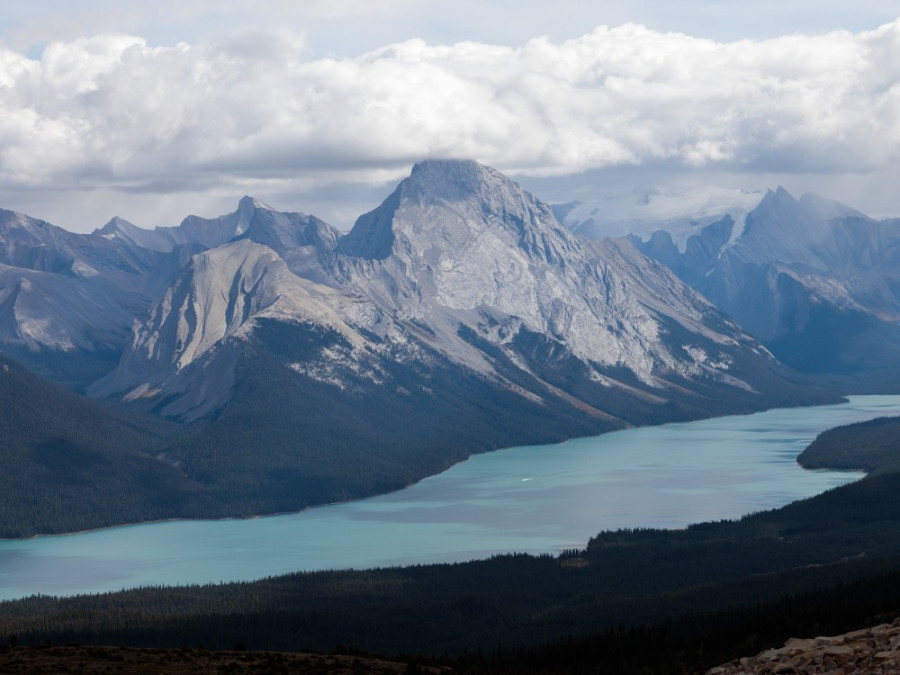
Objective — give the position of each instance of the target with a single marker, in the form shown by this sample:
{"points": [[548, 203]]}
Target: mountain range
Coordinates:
{"points": [[304, 366], [817, 282]]}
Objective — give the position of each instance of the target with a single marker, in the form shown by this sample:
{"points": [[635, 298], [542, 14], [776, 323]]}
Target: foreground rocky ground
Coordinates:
{"points": [[41, 660], [869, 650]]}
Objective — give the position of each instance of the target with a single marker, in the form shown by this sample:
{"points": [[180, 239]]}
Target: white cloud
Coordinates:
{"points": [[111, 112]]}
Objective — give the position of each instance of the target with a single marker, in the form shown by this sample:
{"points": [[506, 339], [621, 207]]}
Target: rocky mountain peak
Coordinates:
{"points": [[115, 224], [457, 242], [777, 203], [451, 180], [301, 238], [246, 212], [449, 204], [780, 208], [478, 190], [120, 229]]}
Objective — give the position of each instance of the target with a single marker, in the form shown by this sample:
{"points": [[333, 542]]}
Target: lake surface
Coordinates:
{"points": [[531, 499]]}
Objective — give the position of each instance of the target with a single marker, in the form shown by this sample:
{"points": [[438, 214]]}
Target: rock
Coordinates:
{"points": [[868, 650]]}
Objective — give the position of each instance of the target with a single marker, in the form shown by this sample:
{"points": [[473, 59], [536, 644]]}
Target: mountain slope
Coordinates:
{"points": [[213, 302], [67, 301], [71, 463], [818, 282], [458, 244], [460, 264]]}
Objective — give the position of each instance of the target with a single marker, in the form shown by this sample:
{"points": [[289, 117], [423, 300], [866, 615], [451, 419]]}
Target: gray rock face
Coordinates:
{"points": [[458, 242], [183, 347]]}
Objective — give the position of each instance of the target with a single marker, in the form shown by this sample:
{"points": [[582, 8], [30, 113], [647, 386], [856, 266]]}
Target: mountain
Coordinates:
{"points": [[68, 301], [217, 297], [814, 280], [458, 262], [69, 462], [459, 316], [202, 232]]}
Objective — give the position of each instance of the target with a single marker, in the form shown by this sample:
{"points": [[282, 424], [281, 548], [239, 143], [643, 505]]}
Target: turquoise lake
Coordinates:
{"points": [[532, 499]]}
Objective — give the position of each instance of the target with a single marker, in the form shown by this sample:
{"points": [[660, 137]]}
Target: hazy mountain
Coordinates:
{"points": [[813, 279], [68, 301], [642, 212]]}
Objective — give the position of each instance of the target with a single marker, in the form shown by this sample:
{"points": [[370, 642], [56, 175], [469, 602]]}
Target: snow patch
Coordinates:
{"points": [[643, 212]]}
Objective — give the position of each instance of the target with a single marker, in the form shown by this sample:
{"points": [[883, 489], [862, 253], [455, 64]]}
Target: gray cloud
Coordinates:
{"points": [[258, 109]]}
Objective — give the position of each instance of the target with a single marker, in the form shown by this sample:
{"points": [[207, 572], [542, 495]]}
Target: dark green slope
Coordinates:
{"points": [[866, 446], [70, 463]]}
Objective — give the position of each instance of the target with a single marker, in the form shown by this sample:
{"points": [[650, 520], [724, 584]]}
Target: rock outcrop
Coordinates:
{"points": [[869, 650]]}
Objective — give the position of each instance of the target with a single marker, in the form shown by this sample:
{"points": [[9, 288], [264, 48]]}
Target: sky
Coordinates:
{"points": [[153, 111]]}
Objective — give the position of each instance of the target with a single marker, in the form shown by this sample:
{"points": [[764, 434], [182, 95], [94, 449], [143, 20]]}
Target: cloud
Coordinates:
{"points": [[112, 112]]}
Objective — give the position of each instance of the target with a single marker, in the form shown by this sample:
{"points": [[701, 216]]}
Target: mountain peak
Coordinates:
{"points": [[115, 224], [248, 203], [247, 208], [472, 197], [455, 180], [441, 173], [810, 210], [779, 197]]}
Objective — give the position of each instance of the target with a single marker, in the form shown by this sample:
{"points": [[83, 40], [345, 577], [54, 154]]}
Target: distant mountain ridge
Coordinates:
{"points": [[816, 281]]}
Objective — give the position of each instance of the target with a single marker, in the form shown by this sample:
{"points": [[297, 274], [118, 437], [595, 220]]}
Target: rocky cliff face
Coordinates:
{"points": [[182, 349], [869, 650]]}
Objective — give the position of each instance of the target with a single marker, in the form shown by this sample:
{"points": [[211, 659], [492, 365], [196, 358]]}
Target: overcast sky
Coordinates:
{"points": [[152, 111]]}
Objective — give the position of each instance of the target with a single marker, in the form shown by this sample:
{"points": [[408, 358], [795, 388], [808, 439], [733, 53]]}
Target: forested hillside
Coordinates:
{"points": [[70, 463], [866, 446]]}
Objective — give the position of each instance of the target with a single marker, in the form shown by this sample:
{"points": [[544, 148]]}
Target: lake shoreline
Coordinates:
{"points": [[275, 514], [528, 499]]}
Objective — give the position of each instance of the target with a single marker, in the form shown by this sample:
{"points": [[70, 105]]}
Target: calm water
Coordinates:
{"points": [[531, 499]]}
